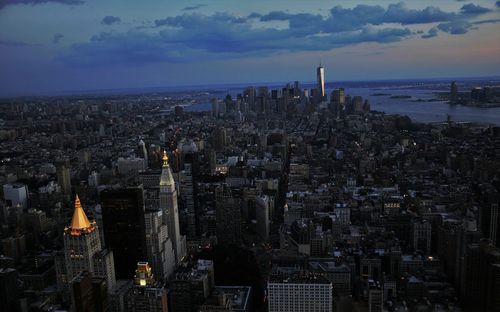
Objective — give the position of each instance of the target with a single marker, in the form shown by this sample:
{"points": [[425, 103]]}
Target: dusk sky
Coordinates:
{"points": [[48, 46]]}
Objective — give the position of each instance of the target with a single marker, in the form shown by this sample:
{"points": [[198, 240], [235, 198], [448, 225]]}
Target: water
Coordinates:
{"points": [[425, 111], [418, 111]]}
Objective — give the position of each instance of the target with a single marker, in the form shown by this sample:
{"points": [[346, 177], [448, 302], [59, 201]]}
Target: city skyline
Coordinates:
{"points": [[53, 46]]}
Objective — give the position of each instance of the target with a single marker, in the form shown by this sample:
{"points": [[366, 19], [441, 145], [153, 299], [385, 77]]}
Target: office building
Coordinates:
{"points": [[159, 249], [375, 297], [421, 235], [8, 290], [263, 215], [228, 216], [481, 276], [64, 177], [190, 286], [169, 207], [81, 243], [123, 228], [299, 293]]}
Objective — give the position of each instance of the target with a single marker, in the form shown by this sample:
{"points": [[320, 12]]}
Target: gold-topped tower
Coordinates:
{"points": [[80, 224]]}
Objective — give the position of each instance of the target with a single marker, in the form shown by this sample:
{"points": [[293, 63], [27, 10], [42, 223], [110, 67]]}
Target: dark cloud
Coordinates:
{"points": [[471, 9], [110, 20], [194, 7], [489, 21], [194, 36], [433, 32], [4, 3], [57, 37], [455, 27], [343, 19]]}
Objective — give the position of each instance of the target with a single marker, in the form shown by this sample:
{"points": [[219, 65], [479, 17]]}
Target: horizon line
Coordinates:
{"points": [[137, 90]]}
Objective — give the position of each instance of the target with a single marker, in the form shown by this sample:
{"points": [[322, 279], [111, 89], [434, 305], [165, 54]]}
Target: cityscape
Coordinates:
{"points": [[311, 157]]}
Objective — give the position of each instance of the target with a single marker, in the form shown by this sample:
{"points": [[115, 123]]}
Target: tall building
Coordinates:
{"points": [[187, 193], [64, 178], [421, 235], [228, 216], [123, 228], [453, 92], [170, 209], [83, 252], [375, 297], [147, 294], [159, 249], [142, 152], [88, 294], [299, 293], [191, 286], [8, 290], [81, 243], [263, 214], [489, 217], [320, 75], [481, 277], [104, 266]]}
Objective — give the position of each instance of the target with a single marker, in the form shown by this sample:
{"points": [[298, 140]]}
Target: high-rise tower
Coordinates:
{"points": [[168, 204], [123, 227], [83, 252], [320, 75], [81, 242]]}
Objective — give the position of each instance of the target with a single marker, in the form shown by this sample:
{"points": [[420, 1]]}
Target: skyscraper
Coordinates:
{"points": [[159, 249], [81, 242], [64, 178], [228, 216], [481, 276], [320, 75], [169, 207], [83, 251], [123, 227], [190, 286]]}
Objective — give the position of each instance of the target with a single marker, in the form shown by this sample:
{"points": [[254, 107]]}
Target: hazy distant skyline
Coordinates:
{"points": [[55, 45]]}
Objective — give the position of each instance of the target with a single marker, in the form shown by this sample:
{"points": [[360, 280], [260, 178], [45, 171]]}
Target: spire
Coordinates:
{"points": [[80, 220], [165, 159], [166, 177]]}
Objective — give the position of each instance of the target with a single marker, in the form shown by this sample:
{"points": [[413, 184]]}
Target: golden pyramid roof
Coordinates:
{"points": [[79, 220]]}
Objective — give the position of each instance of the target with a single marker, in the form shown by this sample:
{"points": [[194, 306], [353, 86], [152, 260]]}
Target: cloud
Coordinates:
{"points": [[193, 36], [13, 43], [4, 3], [433, 32], [57, 38], [110, 20], [488, 21], [455, 27], [194, 7], [343, 19], [471, 8]]}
